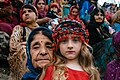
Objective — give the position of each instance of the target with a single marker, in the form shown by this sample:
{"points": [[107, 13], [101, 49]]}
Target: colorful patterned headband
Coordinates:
{"points": [[69, 27]]}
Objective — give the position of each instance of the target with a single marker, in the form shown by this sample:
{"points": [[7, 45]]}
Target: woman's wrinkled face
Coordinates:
{"points": [[41, 50], [29, 16], [70, 48], [41, 5], [99, 17]]}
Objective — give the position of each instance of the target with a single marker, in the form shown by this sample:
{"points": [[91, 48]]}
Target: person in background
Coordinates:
{"points": [[72, 57], [116, 21], [17, 4], [17, 55], [113, 67], [39, 52], [65, 8], [54, 13], [86, 7], [74, 14], [100, 34], [8, 17], [42, 12], [54, 9], [109, 14]]}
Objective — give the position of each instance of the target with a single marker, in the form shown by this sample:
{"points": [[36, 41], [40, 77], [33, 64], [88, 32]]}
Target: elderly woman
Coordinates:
{"points": [[39, 52]]}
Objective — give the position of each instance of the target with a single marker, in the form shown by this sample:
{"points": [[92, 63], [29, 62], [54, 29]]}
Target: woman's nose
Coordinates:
{"points": [[43, 52]]}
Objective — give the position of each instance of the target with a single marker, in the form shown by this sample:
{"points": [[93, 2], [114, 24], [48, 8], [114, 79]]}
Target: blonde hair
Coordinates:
{"points": [[85, 61]]}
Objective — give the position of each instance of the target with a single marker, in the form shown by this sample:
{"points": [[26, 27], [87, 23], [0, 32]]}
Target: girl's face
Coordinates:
{"points": [[99, 17], [74, 12], [41, 4], [70, 48], [29, 16], [41, 50]]}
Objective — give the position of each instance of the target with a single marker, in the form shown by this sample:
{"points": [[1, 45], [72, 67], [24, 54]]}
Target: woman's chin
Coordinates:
{"points": [[43, 63]]}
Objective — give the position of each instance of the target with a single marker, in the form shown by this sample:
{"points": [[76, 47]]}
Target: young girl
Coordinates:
{"points": [[73, 59]]}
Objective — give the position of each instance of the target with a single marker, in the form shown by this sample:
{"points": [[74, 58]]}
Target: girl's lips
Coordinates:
{"points": [[70, 52]]}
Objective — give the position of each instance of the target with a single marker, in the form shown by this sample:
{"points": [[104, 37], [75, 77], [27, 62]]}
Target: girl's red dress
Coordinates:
{"points": [[73, 74]]}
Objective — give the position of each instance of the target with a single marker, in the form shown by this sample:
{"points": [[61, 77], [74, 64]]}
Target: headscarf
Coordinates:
{"points": [[70, 16], [33, 72]]}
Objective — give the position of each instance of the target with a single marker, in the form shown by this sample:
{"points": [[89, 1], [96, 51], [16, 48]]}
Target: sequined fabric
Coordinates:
{"points": [[113, 70]]}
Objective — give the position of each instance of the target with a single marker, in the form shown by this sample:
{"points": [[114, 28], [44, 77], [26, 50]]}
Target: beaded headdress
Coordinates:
{"points": [[69, 27]]}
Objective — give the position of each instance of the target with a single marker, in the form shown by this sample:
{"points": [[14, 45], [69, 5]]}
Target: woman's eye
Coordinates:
{"points": [[35, 47], [101, 15], [30, 11], [97, 14], [24, 12], [49, 46]]}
